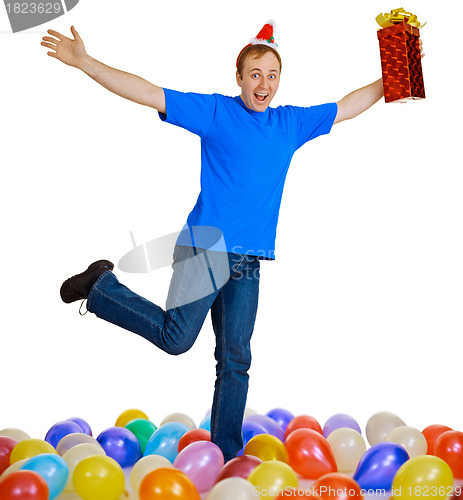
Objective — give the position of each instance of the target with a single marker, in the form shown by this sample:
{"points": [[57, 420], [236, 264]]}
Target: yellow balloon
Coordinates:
{"points": [[267, 447], [30, 448], [270, 478], [98, 478], [421, 477], [348, 448], [144, 466], [76, 454], [129, 415]]}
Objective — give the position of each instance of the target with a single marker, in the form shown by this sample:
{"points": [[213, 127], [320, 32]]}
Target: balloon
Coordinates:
{"points": [[281, 416], [52, 468], [270, 426], [336, 486], [17, 434], [380, 425], [201, 462], [338, 421], [310, 454], [72, 440], [144, 466], [270, 477], [6, 446], [206, 423], [98, 477], [59, 430], [76, 454], [164, 440], [121, 445], [431, 433], [192, 436], [82, 424], [30, 448], [379, 465], [142, 429], [239, 467], [23, 485], [14, 467], [449, 447], [180, 418], [250, 428], [232, 488], [248, 412], [409, 438], [127, 416], [348, 448], [423, 476], [267, 447], [303, 422], [167, 484]]}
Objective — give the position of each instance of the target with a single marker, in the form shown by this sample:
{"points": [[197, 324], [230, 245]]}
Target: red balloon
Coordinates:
{"points": [[303, 422], [6, 445], [336, 486], [310, 454], [431, 433], [23, 485], [192, 436], [239, 467], [449, 447]]}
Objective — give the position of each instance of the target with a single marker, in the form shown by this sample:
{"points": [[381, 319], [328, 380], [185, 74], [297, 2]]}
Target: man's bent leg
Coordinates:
{"points": [[233, 316]]}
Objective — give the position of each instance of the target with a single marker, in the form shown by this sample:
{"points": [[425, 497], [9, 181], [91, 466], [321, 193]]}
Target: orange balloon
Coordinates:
{"points": [[192, 436], [167, 484], [310, 454], [449, 447], [336, 486], [431, 433], [297, 493], [303, 422]]}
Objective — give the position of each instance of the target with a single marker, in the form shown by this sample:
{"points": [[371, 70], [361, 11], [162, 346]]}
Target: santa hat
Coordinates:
{"points": [[264, 37]]}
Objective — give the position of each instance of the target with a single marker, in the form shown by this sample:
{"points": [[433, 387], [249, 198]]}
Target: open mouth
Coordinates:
{"points": [[260, 96]]}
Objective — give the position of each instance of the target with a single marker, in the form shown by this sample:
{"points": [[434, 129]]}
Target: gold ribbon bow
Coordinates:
{"points": [[397, 16]]}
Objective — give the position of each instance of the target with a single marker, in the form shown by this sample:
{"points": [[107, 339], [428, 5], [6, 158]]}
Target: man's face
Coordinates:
{"points": [[261, 77]]}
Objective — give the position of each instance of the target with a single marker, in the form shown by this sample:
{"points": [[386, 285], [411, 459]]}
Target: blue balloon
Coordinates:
{"points": [[164, 440], [270, 426], [338, 421], [281, 416], [82, 424], [61, 429], [52, 468], [120, 444], [250, 429], [379, 465], [206, 423]]}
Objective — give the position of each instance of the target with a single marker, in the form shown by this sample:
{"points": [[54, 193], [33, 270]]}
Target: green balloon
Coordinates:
{"points": [[142, 429]]}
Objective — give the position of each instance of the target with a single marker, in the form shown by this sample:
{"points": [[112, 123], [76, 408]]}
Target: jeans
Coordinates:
{"points": [[233, 304]]}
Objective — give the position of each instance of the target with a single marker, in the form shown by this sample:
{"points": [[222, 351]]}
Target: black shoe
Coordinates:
{"points": [[79, 286]]}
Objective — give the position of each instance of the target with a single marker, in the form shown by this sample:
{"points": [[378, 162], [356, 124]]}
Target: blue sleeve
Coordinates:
{"points": [[193, 112], [314, 121]]}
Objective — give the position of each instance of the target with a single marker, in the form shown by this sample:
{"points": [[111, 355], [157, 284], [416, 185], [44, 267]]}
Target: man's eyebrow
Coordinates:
{"points": [[258, 69]]}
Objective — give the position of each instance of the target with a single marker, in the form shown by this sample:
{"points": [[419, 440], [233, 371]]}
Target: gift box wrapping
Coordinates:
{"points": [[401, 62]]}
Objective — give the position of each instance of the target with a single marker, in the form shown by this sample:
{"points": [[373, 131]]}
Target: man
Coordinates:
{"points": [[246, 149]]}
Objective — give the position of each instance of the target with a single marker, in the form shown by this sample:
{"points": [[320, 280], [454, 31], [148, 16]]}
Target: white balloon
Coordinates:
{"points": [[233, 488], [144, 466], [380, 425], [76, 454], [74, 439], [248, 412], [410, 438], [348, 448], [17, 434], [179, 417], [14, 467]]}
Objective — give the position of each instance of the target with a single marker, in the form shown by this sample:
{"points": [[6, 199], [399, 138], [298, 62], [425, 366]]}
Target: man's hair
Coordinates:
{"points": [[257, 51]]}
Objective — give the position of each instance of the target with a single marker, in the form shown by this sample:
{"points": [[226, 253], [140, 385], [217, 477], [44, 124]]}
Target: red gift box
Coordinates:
{"points": [[401, 61]]}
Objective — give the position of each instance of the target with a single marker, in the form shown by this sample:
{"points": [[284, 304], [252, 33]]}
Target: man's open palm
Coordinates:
{"points": [[69, 51]]}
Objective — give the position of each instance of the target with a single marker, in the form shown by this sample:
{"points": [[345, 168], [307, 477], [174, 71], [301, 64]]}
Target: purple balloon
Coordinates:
{"points": [[61, 429], [250, 429], [338, 421], [379, 465], [281, 416], [270, 426], [201, 462], [121, 445], [82, 424]]}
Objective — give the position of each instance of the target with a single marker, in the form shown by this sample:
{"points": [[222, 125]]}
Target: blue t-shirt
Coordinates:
{"points": [[245, 156]]}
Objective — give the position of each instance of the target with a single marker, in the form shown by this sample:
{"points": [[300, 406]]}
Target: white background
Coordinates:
{"points": [[361, 311]]}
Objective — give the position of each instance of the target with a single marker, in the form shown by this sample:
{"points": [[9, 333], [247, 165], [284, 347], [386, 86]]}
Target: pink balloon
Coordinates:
{"points": [[201, 462]]}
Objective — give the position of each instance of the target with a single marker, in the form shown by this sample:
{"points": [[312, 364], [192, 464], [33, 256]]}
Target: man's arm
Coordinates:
{"points": [[359, 101], [132, 87]]}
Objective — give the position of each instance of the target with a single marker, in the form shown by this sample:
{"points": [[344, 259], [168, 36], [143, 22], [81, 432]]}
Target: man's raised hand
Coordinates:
{"points": [[71, 52]]}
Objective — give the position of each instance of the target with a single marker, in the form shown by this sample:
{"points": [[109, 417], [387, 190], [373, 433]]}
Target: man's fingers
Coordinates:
{"points": [[75, 34], [49, 46], [57, 35], [49, 39]]}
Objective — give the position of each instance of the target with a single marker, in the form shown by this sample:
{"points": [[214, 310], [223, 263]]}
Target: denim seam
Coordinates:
{"points": [[222, 334], [92, 290]]}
